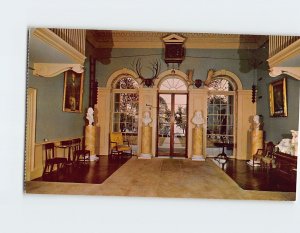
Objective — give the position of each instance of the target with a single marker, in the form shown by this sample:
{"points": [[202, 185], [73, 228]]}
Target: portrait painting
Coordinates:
{"points": [[73, 86], [278, 100]]}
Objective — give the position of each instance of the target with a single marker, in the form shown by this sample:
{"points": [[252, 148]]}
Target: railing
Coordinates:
{"points": [[74, 37], [278, 43]]}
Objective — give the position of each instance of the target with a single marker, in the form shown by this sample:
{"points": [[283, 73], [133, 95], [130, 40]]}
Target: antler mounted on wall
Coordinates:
{"points": [[155, 67], [196, 82], [210, 74]]}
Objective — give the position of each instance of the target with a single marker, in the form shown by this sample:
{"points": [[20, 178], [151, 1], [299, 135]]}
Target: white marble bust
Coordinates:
{"points": [[147, 118], [256, 122], [294, 142], [198, 119], [90, 115], [285, 146]]}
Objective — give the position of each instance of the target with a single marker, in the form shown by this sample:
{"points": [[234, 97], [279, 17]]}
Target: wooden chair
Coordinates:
{"points": [[268, 160], [117, 145], [264, 156], [51, 160], [80, 155], [68, 144]]}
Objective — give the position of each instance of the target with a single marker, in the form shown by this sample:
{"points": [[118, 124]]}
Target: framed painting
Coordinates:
{"points": [[278, 100], [73, 88]]}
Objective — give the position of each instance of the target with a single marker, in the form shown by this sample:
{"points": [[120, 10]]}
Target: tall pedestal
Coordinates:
{"points": [[146, 143], [90, 140], [197, 147], [257, 139]]}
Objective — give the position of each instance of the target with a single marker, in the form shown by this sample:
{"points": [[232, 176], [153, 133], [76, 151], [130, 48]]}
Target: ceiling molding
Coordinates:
{"points": [[291, 71], [131, 39], [48, 70], [58, 43]]}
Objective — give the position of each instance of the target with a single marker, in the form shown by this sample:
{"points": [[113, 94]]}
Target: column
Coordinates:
{"points": [[146, 143], [256, 140], [197, 146], [90, 141]]}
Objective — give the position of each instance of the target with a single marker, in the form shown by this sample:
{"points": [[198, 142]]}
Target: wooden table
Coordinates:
{"points": [[286, 165]]}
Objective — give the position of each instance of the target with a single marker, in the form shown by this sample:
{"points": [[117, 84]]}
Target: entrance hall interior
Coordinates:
{"points": [[162, 114]]}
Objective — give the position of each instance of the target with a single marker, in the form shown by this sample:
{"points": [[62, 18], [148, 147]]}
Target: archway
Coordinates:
{"points": [[222, 113], [172, 114]]}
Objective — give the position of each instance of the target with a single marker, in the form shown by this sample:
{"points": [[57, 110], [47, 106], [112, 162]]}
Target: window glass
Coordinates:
{"points": [[220, 118], [173, 83], [126, 82], [220, 84], [126, 110]]}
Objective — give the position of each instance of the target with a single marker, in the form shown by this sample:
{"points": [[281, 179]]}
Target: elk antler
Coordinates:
{"points": [[138, 68], [210, 74], [155, 67]]}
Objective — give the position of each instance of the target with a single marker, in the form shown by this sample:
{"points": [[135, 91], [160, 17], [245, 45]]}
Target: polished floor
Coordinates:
{"points": [[256, 178], [162, 178], [92, 173]]}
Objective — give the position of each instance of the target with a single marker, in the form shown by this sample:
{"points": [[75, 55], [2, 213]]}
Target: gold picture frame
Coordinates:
{"points": [[73, 90], [278, 99]]}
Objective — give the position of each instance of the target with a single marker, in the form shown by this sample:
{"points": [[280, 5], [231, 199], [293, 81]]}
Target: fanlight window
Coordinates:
{"points": [[220, 84], [126, 82], [173, 84]]}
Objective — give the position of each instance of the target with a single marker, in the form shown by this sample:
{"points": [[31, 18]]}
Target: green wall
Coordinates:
{"points": [[51, 122], [277, 128], [234, 60], [201, 60]]}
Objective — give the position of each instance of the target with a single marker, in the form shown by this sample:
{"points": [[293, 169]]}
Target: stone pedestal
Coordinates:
{"points": [[90, 140], [197, 146], [146, 143], [257, 140]]}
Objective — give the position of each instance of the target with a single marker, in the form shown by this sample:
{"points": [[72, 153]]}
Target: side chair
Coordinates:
{"points": [[51, 160]]}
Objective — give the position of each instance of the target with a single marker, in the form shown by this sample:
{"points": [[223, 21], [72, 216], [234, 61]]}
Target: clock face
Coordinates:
{"points": [[174, 51]]}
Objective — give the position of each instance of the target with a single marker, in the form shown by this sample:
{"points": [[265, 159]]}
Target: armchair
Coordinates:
{"points": [[264, 156], [118, 147]]}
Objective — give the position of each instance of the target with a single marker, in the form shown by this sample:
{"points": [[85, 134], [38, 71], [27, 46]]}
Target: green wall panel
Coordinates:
{"points": [[277, 128], [201, 60], [51, 122]]}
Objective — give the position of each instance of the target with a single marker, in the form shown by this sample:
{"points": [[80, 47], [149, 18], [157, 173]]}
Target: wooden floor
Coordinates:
{"points": [[244, 175], [93, 173], [250, 178]]}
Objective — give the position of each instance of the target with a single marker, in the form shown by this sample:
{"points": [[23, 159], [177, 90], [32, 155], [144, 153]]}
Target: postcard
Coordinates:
{"points": [[162, 114]]}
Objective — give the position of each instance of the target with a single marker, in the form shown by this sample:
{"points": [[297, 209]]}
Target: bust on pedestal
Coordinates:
{"points": [[146, 137], [257, 135], [90, 134], [197, 148]]}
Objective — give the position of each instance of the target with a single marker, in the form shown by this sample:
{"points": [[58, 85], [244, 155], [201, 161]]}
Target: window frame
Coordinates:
{"points": [[113, 112], [232, 93]]}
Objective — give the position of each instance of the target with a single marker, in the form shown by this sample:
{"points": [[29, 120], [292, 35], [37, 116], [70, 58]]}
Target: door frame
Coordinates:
{"points": [[173, 94]]}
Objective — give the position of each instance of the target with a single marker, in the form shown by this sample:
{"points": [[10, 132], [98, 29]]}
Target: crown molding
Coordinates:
{"points": [[48, 70], [58, 43], [285, 54], [131, 39]]}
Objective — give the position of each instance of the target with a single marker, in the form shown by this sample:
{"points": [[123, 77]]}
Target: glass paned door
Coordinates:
{"points": [[172, 125]]}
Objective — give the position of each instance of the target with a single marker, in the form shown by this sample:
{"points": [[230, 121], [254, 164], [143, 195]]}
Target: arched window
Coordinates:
{"points": [[126, 108], [221, 84], [220, 116], [173, 84], [126, 82]]}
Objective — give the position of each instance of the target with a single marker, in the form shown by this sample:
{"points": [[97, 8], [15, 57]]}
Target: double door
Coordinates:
{"points": [[172, 125]]}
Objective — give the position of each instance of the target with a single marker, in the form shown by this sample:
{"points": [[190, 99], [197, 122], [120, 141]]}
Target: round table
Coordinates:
{"points": [[222, 155]]}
